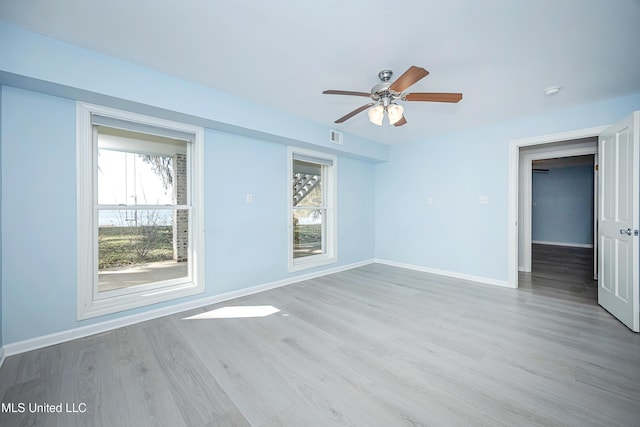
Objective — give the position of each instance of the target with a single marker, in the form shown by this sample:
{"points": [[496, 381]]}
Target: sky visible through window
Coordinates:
{"points": [[125, 179]]}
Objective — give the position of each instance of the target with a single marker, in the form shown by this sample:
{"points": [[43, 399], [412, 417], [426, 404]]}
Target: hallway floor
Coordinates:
{"points": [[561, 272]]}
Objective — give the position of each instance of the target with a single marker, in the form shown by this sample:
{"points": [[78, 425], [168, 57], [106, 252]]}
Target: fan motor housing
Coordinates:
{"points": [[381, 90]]}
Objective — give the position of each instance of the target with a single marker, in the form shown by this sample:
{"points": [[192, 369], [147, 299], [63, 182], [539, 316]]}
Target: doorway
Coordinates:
{"points": [[562, 144], [552, 155], [617, 244], [563, 229]]}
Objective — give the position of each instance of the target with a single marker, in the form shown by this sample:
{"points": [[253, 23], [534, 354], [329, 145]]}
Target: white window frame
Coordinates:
{"points": [[330, 177], [90, 302]]}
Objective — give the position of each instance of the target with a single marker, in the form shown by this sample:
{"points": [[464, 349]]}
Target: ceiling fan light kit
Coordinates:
{"points": [[376, 114], [385, 96], [395, 113]]}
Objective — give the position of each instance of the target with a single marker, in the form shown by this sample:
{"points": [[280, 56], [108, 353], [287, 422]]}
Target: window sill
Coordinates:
{"points": [[311, 262], [101, 307]]}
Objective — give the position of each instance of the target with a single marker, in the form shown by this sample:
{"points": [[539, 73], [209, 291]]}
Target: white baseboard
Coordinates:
{"points": [[479, 279], [1, 356], [570, 245], [96, 328]]}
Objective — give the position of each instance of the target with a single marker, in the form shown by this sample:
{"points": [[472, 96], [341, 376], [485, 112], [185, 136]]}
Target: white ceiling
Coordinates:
{"points": [[500, 54]]}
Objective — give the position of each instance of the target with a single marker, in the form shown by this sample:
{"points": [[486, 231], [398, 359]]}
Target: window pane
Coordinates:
{"points": [[140, 169], [137, 247], [307, 184], [308, 232]]}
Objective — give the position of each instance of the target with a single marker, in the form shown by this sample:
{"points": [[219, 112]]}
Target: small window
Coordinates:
{"points": [[139, 211], [311, 209]]}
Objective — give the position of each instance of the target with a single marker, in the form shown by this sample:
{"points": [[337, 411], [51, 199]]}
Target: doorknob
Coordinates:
{"points": [[629, 232]]}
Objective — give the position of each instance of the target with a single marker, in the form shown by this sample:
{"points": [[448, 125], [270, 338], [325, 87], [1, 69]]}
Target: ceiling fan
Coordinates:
{"points": [[386, 94]]}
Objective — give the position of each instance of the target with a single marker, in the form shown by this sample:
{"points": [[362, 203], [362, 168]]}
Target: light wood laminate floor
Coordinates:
{"points": [[374, 346], [560, 272]]}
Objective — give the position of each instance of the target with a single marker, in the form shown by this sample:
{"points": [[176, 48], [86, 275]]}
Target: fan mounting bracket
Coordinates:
{"points": [[385, 75]]}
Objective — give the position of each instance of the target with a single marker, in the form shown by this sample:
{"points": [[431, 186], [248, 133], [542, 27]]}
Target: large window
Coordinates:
{"points": [[139, 210], [311, 209]]}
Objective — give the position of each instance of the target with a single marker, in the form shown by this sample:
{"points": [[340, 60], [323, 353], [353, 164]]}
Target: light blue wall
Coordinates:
{"points": [[38, 214], [246, 244], [456, 233], [562, 205], [356, 210], [453, 171]]}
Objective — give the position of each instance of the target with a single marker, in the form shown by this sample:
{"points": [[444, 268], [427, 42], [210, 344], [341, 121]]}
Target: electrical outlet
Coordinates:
{"points": [[249, 198], [483, 200]]}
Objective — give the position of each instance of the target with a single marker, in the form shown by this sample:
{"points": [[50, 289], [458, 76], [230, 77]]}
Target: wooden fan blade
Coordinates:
{"points": [[411, 76], [346, 92], [400, 122], [354, 112], [433, 97]]}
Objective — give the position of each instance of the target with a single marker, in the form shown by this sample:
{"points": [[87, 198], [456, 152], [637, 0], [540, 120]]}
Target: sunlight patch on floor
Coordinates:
{"points": [[236, 312]]}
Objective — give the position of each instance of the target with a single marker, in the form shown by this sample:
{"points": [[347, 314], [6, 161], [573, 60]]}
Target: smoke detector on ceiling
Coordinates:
{"points": [[552, 90]]}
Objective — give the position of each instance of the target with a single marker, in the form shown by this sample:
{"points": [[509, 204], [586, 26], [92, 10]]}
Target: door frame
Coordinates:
{"points": [[527, 193], [514, 160]]}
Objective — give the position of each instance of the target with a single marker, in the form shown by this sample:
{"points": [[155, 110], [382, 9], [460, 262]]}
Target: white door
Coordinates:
{"points": [[618, 221]]}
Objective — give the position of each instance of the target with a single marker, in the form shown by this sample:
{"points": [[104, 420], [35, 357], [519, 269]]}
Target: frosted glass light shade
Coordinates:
{"points": [[395, 112], [376, 114]]}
